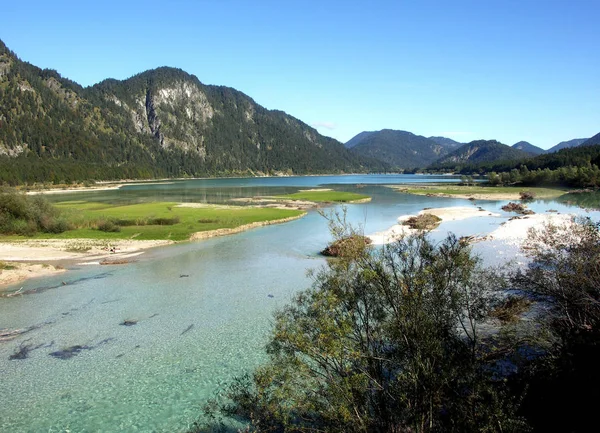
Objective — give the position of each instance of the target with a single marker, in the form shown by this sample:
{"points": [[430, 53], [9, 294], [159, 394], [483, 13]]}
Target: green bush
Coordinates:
{"points": [[26, 216], [108, 226], [163, 221]]}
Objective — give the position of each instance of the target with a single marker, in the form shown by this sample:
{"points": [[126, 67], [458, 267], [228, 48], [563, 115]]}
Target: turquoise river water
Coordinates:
{"points": [[203, 309]]}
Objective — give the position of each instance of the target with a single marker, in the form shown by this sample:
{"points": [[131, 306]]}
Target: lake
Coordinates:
{"points": [[203, 309]]}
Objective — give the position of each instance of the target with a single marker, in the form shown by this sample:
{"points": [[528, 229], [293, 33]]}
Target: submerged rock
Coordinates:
{"points": [[69, 352]]}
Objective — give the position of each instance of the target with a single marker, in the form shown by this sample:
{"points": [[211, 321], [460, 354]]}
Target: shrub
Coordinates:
{"points": [[108, 226], [385, 340], [527, 195], [424, 221], [163, 221], [517, 208], [345, 246]]}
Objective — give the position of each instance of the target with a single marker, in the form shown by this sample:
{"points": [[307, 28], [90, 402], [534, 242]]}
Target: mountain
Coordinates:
{"points": [[528, 147], [594, 140], [480, 151], [400, 149], [566, 144], [160, 123], [358, 138], [448, 142]]}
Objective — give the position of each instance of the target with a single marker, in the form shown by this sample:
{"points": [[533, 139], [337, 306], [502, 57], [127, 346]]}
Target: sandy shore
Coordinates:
{"points": [[29, 259], [399, 230], [15, 272], [515, 231]]}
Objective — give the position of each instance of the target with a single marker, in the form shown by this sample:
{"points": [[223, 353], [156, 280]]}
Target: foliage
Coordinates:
{"points": [[424, 221], [108, 226], [527, 195], [26, 215], [386, 341], [564, 276], [346, 245], [517, 207]]}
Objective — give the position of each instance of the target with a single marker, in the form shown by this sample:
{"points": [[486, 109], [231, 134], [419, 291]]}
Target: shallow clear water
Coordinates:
{"points": [[203, 310]]}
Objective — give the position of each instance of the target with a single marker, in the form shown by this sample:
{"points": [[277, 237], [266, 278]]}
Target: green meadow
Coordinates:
{"points": [[326, 196], [159, 220]]}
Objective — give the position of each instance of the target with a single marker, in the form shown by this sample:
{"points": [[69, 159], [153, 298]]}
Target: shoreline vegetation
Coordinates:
{"points": [[100, 233], [478, 192], [117, 233]]}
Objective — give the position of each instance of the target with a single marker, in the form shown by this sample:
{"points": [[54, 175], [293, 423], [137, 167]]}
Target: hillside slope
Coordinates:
{"points": [[480, 151], [160, 123], [567, 144], [528, 147], [400, 149]]}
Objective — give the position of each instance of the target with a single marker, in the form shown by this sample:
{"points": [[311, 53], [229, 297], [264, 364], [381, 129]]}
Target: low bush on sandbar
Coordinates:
{"points": [[343, 247], [424, 221]]}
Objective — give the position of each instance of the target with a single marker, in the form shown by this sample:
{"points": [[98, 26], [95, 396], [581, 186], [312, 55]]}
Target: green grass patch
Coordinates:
{"points": [[155, 221], [325, 196], [464, 190]]}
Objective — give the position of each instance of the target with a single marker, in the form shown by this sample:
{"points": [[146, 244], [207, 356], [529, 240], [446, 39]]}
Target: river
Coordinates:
{"points": [[202, 309]]}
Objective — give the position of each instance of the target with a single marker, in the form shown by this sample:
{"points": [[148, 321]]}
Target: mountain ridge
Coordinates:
{"points": [[479, 151], [159, 123], [401, 149]]}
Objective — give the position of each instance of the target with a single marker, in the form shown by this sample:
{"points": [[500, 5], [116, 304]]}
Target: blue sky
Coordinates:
{"points": [[506, 70]]}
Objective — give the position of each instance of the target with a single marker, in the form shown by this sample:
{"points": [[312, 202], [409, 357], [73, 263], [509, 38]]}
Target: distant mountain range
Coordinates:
{"points": [[405, 150], [399, 149], [160, 123]]}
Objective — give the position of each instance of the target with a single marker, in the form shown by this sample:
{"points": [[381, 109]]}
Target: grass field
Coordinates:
{"points": [[491, 191], [326, 196], [161, 220]]}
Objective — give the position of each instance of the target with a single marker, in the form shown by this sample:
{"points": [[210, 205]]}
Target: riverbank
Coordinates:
{"points": [[31, 258], [478, 192], [400, 230], [513, 232]]}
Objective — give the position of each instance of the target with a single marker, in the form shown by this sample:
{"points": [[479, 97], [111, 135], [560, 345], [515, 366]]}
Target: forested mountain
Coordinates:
{"points": [[566, 144], [477, 152], [448, 142], [400, 149], [160, 123], [577, 166], [528, 147]]}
